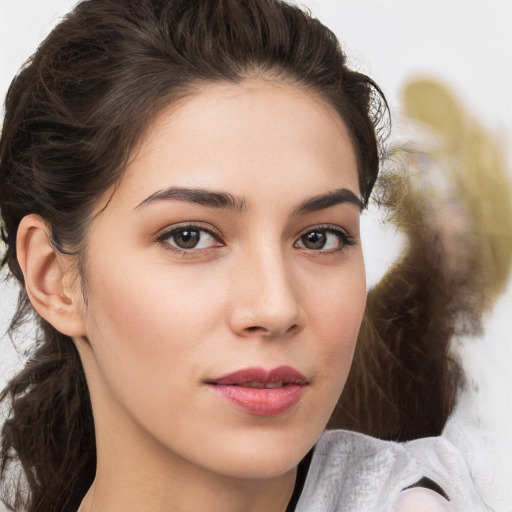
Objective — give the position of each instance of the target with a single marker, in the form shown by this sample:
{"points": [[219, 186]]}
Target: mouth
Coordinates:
{"points": [[262, 385], [261, 392]]}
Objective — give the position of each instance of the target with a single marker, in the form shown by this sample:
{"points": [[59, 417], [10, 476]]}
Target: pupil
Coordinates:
{"points": [[186, 239], [314, 240]]}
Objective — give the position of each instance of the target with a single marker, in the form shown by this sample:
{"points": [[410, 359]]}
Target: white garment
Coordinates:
{"points": [[352, 472]]}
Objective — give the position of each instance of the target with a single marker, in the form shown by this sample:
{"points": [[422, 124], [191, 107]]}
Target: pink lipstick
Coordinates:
{"points": [[261, 392]]}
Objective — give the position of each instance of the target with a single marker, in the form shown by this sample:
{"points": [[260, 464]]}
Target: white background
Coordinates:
{"points": [[467, 44]]}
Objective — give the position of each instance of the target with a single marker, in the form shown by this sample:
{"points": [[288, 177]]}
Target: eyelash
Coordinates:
{"points": [[345, 238], [166, 235]]}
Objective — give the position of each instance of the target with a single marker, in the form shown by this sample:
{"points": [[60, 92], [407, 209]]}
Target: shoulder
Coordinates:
{"points": [[351, 471]]}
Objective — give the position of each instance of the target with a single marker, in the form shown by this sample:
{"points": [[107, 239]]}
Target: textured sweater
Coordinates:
{"points": [[351, 472]]}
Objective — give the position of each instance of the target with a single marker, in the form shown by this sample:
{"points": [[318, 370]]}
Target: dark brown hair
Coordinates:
{"points": [[74, 114]]}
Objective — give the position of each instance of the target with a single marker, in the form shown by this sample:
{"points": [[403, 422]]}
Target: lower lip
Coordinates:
{"points": [[261, 402]]}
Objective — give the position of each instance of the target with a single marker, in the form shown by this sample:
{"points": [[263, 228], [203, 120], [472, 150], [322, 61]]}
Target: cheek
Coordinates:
{"points": [[336, 313], [143, 325], [155, 299], [148, 332], [336, 301]]}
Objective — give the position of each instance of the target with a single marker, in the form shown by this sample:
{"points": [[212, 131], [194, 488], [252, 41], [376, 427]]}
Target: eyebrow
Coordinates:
{"points": [[198, 196], [324, 201], [214, 199]]}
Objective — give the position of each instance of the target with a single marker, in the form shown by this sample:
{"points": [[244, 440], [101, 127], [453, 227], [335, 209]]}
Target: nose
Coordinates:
{"points": [[265, 297]]}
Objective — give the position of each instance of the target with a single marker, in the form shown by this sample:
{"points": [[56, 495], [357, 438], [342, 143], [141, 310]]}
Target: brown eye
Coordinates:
{"points": [[186, 238], [314, 240], [189, 238], [329, 239]]}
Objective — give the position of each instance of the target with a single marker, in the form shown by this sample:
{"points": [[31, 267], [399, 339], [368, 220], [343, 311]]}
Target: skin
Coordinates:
{"points": [[160, 321]]}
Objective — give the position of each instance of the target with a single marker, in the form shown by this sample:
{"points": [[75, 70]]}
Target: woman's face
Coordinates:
{"points": [[225, 282]]}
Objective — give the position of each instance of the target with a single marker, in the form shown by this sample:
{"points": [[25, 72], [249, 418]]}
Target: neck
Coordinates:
{"points": [[181, 492]]}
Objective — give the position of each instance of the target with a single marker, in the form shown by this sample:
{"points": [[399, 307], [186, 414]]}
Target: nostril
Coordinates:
{"points": [[257, 329]]}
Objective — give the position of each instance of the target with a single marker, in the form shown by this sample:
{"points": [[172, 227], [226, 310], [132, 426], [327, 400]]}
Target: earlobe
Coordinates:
{"points": [[45, 278]]}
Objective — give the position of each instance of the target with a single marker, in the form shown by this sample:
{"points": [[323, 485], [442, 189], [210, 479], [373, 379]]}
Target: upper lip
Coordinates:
{"points": [[284, 374]]}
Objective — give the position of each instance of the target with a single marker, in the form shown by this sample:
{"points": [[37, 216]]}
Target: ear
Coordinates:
{"points": [[47, 282]]}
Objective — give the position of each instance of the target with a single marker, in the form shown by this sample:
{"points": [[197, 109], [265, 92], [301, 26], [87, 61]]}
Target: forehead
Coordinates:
{"points": [[239, 137]]}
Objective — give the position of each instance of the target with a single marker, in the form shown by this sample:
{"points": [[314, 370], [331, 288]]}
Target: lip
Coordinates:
{"points": [[256, 390]]}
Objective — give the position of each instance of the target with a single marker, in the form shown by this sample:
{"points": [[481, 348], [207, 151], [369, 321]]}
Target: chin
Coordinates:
{"points": [[262, 454], [259, 467]]}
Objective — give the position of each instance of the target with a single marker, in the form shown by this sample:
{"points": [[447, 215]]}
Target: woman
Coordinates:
{"points": [[181, 190]]}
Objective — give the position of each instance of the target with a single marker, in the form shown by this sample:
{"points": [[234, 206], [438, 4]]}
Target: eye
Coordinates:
{"points": [[325, 239], [189, 238]]}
